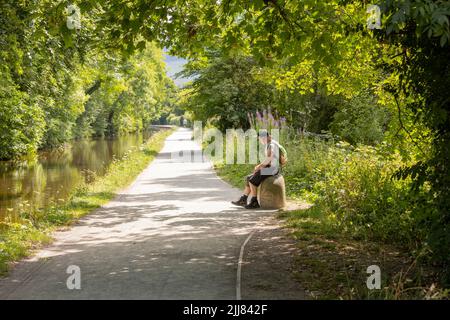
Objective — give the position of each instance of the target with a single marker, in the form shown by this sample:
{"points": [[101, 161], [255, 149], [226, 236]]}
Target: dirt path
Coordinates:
{"points": [[173, 234]]}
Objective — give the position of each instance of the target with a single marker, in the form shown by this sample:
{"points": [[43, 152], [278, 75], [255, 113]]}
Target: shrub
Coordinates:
{"points": [[361, 120], [355, 190], [21, 122], [354, 187]]}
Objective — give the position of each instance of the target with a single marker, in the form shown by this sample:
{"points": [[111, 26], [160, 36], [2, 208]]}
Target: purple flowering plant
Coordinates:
{"points": [[266, 120]]}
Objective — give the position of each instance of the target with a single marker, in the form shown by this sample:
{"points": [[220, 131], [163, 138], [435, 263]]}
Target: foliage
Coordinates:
{"points": [[21, 124], [361, 120], [419, 30], [331, 264], [353, 193], [174, 120], [56, 88], [266, 120], [352, 186], [224, 90], [125, 95]]}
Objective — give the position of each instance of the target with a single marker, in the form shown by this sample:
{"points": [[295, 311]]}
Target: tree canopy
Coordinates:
{"points": [[55, 87]]}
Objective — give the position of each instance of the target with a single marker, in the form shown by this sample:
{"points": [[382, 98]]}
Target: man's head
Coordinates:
{"points": [[264, 136]]}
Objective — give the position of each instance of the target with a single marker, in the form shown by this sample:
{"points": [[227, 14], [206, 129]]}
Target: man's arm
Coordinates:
{"points": [[268, 160]]}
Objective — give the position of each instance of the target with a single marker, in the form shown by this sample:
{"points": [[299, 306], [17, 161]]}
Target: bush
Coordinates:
{"points": [[173, 119], [361, 120], [21, 122], [355, 188], [357, 193], [367, 201]]}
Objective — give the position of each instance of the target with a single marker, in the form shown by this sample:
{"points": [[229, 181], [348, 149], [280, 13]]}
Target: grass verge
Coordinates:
{"points": [[19, 236], [332, 263]]}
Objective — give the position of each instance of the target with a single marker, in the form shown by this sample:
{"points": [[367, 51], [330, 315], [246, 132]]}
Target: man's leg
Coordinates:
{"points": [[253, 190], [254, 182], [243, 199], [247, 190]]}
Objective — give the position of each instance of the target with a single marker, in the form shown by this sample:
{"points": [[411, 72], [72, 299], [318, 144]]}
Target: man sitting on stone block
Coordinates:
{"points": [[275, 156]]}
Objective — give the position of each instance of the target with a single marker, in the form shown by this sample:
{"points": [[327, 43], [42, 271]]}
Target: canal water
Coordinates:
{"points": [[54, 174]]}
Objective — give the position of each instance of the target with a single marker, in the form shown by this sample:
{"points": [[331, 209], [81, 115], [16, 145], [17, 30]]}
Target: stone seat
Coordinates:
{"points": [[272, 193]]}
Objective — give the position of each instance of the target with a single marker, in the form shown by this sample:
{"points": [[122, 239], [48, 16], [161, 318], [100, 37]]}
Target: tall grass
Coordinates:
{"points": [[359, 215], [353, 186]]}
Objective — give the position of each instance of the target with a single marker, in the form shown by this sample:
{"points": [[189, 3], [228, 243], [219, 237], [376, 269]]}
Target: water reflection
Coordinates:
{"points": [[56, 173]]}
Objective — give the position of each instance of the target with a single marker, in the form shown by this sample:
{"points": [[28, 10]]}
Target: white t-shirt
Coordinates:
{"points": [[273, 147]]}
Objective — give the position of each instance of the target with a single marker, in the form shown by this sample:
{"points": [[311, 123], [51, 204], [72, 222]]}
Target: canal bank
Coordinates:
{"points": [[29, 229], [53, 174]]}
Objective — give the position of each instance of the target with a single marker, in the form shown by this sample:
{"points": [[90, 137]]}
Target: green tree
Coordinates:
{"points": [[21, 124], [360, 120], [63, 86], [419, 31], [224, 90]]}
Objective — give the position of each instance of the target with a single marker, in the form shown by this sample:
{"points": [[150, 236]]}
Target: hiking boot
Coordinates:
{"points": [[241, 202], [253, 204]]}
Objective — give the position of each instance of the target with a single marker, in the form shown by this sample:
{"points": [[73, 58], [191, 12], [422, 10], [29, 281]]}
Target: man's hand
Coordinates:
{"points": [[257, 168]]}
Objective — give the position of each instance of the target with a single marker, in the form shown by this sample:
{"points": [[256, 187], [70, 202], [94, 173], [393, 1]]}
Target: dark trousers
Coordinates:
{"points": [[256, 178]]}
